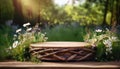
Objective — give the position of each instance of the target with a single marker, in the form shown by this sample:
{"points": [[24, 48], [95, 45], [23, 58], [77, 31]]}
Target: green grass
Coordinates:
{"points": [[116, 51], [66, 33], [5, 40]]}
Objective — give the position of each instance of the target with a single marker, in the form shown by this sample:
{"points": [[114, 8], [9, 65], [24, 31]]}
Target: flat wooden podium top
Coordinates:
{"points": [[60, 44]]}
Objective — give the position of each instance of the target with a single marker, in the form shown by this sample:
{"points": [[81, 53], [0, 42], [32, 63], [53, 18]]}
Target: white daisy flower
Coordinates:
{"points": [[27, 24], [106, 42], [29, 29], [17, 31], [15, 44], [98, 30]]}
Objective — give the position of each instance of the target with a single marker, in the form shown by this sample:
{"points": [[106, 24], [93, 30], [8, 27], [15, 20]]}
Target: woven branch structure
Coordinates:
{"points": [[62, 51]]}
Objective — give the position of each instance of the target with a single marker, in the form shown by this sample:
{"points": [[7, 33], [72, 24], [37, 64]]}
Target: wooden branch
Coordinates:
{"points": [[35, 49], [64, 50], [84, 57], [72, 57], [58, 57], [46, 50], [87, 49], [47, 58], [79, 53], [34, 53]]}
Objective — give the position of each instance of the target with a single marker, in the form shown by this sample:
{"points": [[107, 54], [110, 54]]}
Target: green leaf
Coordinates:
{"points": [[108, 18]]}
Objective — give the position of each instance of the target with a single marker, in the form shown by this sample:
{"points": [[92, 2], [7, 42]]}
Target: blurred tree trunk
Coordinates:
{"points": [[115, 19], [117, 12], [105, 13], [0, 15], [18, 14]]}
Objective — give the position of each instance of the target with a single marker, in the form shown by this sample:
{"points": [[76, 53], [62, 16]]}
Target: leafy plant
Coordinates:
{"points": [[106, 43], [22, 39], [66, 33], [5, 40]]}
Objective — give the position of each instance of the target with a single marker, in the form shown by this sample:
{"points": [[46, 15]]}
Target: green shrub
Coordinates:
{"points": [[116, 51], [66, 33], [5, 41], [22, 40], [107, 44]]}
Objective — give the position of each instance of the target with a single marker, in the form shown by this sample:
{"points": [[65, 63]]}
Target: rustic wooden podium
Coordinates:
{"points": [[62, 51]]}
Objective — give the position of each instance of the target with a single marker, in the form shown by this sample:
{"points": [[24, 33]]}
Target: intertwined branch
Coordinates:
{"points": [[63, 54]]}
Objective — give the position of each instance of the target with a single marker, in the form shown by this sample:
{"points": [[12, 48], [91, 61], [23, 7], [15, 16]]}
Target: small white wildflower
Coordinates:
{"points": [[42, 35], [46, 38], [113, 38], [108, 43], [10, 48], [45, 33], [107, 29], [106, 53], [98, 30], [15, 44], [15, 35], [17, 31], [29, 29], [27, 24], [109, 50], [94, 40], [105, 42]]}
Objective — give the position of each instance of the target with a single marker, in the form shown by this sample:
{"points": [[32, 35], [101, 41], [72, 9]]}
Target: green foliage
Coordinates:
{"points": [[108, 18], [22, 40], [100, 52], [66, 33], [35, 10], [116, 50], [5, 41], [69, 14], [107, 44], [39, 37], [85, 16], [6, 9], [34, 59]]}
